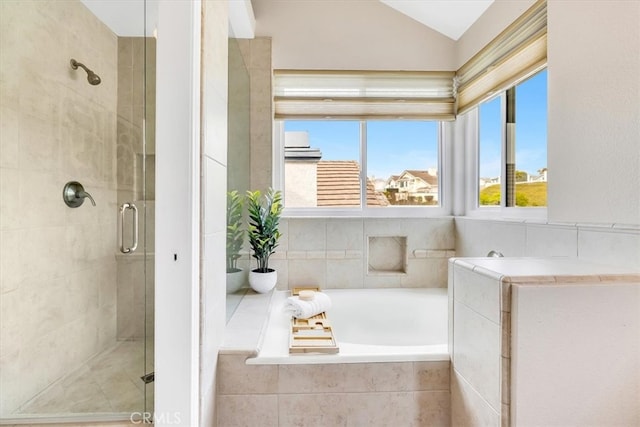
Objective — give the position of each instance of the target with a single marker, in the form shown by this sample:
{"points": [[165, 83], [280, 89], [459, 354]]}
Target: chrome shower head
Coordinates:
{"points": [[92, 77]]}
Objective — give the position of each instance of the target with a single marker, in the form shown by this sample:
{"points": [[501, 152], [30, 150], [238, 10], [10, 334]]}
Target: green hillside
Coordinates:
{"points": [[527, 194]]}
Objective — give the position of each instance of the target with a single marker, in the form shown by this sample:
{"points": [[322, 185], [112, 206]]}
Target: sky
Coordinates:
{"points": [[395, 146], [531, 129]]}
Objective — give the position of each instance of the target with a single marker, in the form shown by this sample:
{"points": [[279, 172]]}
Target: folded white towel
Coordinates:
{"points": [[306, 309]]}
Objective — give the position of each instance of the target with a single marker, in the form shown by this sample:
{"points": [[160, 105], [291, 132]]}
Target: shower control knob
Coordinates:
{"points": [[73, 194]]}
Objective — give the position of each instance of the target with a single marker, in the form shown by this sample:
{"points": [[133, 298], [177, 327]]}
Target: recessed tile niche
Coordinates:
{"points": [[387, 254]]}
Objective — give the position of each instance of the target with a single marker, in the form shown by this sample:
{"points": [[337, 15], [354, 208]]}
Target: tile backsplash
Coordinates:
{"points": [[611, 244], [336, 252]]}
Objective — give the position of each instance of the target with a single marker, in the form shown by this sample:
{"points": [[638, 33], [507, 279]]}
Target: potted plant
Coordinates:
{"points": [[236, 277], [264, 216]]}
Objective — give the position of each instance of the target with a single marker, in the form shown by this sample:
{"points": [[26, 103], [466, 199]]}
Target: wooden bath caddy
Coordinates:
{"points": [[312, 335]]}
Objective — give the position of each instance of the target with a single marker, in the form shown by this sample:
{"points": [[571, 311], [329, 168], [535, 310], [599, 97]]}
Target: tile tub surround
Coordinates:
{"points": [[333, 252], [373, 394], [388, 393], [481, 325], [612, 244]]}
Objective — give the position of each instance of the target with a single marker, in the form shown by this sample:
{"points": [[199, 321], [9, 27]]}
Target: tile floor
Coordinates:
{"points": [[109, 382]]}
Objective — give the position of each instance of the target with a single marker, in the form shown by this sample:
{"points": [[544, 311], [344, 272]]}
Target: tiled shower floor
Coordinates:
{"points": [[109, 382]]}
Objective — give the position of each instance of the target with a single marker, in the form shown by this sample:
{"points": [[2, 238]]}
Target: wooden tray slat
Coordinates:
{"points": [[313, 335]]}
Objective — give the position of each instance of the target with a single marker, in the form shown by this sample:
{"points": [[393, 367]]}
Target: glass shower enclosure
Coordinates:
{"points": [[77, 157]]}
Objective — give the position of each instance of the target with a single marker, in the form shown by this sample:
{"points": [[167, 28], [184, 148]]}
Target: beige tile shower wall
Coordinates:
{"points": [[358, 394], [57, 272], [257, 57], [136, 72], [334, 252]]}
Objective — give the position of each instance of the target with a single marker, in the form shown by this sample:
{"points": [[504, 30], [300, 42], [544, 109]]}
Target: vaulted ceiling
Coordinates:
{"points": [[449, 17]]}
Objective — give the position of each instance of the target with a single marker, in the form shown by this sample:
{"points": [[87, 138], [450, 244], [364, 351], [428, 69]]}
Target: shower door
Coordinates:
{"points": [[77, 121]]}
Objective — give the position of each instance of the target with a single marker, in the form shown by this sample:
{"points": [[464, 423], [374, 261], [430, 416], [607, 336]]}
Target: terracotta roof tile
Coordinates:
{"points": [[339, 185]]}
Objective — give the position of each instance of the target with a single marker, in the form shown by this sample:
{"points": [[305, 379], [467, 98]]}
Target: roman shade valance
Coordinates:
{"points": [[515, 54], [306, 94]]}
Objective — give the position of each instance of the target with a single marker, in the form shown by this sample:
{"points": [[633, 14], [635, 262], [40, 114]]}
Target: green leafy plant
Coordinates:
{"points": [[264, 216], [235, 232]]}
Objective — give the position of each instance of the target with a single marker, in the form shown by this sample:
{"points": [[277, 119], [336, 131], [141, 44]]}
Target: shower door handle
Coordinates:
{"points": [[134, 245]]}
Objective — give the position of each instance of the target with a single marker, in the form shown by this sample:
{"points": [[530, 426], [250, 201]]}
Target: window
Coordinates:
{"points": [[402, 163], [360, 165], [512, 146]]}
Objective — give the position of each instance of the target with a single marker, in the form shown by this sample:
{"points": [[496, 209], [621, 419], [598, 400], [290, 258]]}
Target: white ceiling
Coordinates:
{"points": [[125, 17], [449, 17]]}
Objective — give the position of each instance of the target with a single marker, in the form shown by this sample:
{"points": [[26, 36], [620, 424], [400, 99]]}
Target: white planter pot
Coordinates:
{"points": [[263, 282], [236, 280]]}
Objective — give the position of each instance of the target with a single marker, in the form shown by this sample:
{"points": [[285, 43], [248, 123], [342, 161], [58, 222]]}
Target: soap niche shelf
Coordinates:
{"points": [[387, 255]]}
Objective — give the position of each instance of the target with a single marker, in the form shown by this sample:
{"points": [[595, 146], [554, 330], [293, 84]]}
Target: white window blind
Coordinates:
{"points": [[515, 54], [305, 94]]}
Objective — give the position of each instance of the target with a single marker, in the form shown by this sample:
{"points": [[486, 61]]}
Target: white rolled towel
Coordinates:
{"points": [[302, 309]]}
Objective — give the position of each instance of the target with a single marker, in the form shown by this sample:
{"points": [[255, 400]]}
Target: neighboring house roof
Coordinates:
{"points": [[423, 175], [339, 185]]}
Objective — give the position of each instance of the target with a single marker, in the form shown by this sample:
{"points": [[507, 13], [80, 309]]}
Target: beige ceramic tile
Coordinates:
{"points": [[609, 247], [625, 278], [335, 254], [307, 273], [316, 255], [505, 295], [347, 409], [380, 409], [505, 339], [10, 212], [477, 352], [431, 376], [425, 273], [353, 254], [11, 273], [505, 379], [344, 273], [467, 406], [9, 139], [345, 234], [235, 377], [433, 408], [260, 53], [345, 377], [478, 292], [419, 253], [307, 234], [550, 240], [248, 410], [313, 410], [505, 416]]}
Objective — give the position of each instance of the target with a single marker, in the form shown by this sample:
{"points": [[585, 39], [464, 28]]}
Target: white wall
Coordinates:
{"points": [[352, 35], [594, 111], [177, 297]]}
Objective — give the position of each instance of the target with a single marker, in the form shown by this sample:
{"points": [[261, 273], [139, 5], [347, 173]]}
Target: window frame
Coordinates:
{"points": [[472, 184], [445, 133]]}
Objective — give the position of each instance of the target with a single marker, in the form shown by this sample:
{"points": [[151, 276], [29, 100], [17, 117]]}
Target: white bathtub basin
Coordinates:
{"points": [[370, 325]]}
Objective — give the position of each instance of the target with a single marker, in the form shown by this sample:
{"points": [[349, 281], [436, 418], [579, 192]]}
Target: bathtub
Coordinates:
{"points": [[370, 325]]}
